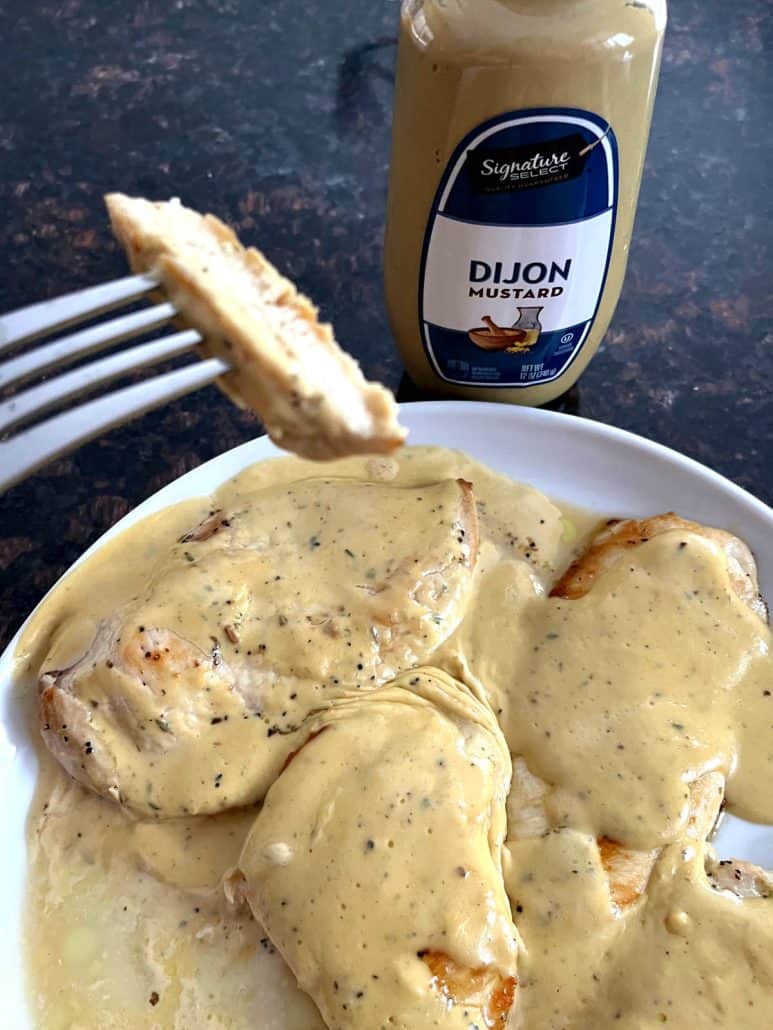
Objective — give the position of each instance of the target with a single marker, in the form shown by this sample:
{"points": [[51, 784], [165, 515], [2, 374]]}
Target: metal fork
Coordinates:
{"points": [[25, 451]]}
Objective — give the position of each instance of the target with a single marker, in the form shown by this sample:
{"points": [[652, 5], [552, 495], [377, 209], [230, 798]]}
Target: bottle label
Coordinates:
{"points": [[517, 247]]}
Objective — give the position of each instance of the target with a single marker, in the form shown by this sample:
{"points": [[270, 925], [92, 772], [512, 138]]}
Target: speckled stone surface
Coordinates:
{"points": [[276, 116]]}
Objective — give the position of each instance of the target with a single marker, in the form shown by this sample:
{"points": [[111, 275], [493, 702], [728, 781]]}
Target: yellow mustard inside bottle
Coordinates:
{"points": [[519, 136]]}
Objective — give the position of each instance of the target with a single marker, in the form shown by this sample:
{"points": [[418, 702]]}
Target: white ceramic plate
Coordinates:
{"points": [[584, 463]]}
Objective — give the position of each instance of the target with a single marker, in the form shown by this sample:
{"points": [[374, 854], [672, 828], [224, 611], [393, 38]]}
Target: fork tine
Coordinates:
{"points": [[27, 451], [36, 320], [39, 399], [86, 341]]}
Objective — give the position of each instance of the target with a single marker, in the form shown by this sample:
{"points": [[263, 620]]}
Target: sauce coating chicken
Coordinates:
{"points": [[378, 926], [190, 698], [629, 870], [619, 536]]}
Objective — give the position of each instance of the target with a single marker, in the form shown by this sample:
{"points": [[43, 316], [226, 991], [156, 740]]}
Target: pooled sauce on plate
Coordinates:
{"points": [[618, 701]]}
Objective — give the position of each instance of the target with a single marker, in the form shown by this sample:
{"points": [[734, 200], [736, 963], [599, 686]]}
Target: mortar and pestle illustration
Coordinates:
{"points": [[515, 339]]}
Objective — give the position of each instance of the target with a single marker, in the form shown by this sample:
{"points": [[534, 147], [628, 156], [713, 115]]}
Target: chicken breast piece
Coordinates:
{"points": [[311, 396], [375, 863], [688, 953], [617, 537], [190, 698], [627, 870], [694, 956]]}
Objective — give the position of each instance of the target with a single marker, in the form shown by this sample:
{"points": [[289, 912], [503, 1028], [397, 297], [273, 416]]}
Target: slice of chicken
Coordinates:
{"points": [[311, 396], [627, 870], [375, 863], [190, 699], [617, 537]]}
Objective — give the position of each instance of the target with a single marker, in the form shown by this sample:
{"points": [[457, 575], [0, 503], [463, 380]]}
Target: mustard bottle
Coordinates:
{"points": [[519, 135]]}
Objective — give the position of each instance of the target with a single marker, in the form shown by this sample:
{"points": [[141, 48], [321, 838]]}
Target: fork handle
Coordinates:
{"points": [[46, 316], [25, 452]]}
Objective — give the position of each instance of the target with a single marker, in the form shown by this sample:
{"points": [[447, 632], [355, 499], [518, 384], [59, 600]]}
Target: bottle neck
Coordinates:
{"points": [[488, 29]]}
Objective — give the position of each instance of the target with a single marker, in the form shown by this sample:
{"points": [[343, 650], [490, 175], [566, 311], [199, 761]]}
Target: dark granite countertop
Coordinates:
{"points": [[276, 116]]}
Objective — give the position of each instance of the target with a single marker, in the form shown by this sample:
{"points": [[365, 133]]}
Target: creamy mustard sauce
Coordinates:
{"points": [[393, 816], [690, 956], [623, 697], [300, 591], [616, 701], [128, 926], [234, 628]]}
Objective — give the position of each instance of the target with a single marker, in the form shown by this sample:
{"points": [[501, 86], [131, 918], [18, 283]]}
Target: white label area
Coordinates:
{"points": [[475, 270]]}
